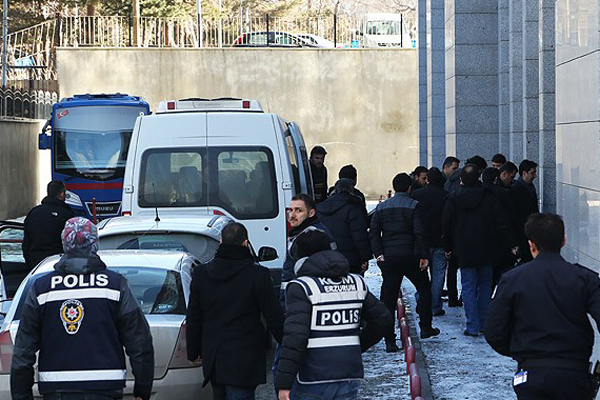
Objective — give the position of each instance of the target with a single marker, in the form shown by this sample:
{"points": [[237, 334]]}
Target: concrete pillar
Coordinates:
{"points": [[436, 84], [531, 119], [515, 57], [547, 106], [471, 78], [422, 48], [503, 78]]}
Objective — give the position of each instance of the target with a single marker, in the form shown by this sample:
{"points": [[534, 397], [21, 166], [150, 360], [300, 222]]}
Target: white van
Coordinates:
{"points": [[218, 157], [383, 30]]}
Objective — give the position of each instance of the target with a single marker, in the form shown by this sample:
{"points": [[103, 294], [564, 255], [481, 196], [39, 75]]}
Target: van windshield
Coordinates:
{"points": [[241, 180]]}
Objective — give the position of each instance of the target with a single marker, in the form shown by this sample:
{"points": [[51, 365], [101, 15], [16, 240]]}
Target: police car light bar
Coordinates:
{"points": [[205, 105]]}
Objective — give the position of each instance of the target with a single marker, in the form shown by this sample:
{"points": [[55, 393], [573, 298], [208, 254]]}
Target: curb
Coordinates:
{"points": [[420, 385]]}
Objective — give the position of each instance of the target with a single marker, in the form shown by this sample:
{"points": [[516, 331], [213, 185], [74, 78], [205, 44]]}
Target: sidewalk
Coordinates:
{"points": [[462, 367]]}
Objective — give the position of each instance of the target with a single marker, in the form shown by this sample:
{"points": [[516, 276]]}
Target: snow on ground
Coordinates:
{"points": [[462, 367]]}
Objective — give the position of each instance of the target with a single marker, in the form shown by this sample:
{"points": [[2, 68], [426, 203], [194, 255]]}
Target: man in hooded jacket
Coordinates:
{"points": [[228, 297], [473, 223], [80, 317], [322, 359], [343, 215]]}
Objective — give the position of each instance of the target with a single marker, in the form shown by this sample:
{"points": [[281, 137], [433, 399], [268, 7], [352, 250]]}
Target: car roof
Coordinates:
{"points": [[209, 225], [127, 258]]}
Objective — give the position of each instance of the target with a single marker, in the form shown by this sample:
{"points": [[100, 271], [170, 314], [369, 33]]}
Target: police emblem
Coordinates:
{"points": [[71, 314]]}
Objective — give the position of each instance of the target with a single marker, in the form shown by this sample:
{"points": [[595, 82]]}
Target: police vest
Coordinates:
{"points": [[80, 346], [333, 352]]}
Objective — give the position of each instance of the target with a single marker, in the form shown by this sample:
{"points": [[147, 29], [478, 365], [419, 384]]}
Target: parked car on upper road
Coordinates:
{"points": [[316, 40], [276, 39]]}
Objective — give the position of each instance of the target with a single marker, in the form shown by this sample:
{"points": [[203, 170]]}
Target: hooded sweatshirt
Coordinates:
{"points": [[475, 225], [344, 217]]}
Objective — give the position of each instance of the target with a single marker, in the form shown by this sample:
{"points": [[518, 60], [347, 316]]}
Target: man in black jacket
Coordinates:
{"points": [[344, 216], [508, 171], [525, 201], [473, 222], [319, 172], [452, 175], [397, 242], [506, 259], [539, 317], [322, 342], [80, 317], [349, 172], [431, 202], [228, 297], [44, 224]]}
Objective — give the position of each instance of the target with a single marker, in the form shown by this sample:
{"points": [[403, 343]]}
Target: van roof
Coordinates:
{"points": [[209, 105]]}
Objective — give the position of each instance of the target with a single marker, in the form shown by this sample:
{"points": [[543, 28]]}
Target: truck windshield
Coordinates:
{"points": [[383, 27], [98, 155]]}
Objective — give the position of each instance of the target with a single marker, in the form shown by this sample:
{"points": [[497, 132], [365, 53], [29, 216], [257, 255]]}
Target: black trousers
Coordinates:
{"points": [[452, 279], [554, 384], [393, 270]]}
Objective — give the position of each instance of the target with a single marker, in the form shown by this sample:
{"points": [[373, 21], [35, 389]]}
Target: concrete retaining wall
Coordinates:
{"points": [[24, 170], [362, 105]]}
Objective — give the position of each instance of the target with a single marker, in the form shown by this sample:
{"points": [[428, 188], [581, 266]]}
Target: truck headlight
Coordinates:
{"points": [[72, 199]]}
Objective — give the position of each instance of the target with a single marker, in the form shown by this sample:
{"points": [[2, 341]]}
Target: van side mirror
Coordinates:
{"points": [[44, 141], [266, 253]]}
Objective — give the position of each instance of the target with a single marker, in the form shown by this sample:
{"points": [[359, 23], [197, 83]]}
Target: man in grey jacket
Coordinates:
{"points": [[79, 317]]}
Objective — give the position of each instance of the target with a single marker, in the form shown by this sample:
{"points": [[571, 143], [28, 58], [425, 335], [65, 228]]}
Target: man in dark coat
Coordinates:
{"points": [[451, 171], [343, 215], [431, 201], [397, 242], [473, 222], [44, 224], [319, 172], [322, 343], [349, 172], [540, 317], [506, 259], [525, 201], [229, 295], [508, 171]]}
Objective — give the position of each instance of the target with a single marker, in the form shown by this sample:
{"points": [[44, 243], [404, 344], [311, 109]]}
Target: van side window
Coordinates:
{"points": [[291, 150]]}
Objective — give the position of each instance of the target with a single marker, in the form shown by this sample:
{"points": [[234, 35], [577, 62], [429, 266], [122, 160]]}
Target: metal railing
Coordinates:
{"points": [[22, 103]]}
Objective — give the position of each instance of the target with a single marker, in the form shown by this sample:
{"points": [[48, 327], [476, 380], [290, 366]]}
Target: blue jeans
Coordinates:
{"points": [[344, 390], [230, 392], [477, 295], [438, 275]]}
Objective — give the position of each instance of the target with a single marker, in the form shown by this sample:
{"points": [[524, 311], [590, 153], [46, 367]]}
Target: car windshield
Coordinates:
{"points": [[383, 27], [241, 180], [91, 154], [157, 290]]}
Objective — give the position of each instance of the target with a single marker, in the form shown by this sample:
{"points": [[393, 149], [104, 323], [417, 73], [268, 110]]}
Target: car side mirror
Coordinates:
{"points": [[266, 253]]}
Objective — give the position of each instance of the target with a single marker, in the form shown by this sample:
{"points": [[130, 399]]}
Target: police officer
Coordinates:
{"points": [[322, 341], [79, 317], [539, 317]]}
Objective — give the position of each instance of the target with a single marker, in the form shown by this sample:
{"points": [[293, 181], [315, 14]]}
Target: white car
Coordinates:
{"points": [[160, 281], [316, 40]]}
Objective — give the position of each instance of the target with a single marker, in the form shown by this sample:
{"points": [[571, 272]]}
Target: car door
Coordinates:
{"points": [[12, 264]]}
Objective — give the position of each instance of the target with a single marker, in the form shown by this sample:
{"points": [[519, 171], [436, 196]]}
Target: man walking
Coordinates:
{"points": [[539, 317], [431, 202], [472, 223], [44, 224], [397, 242], [349, 172], [498, 160], [419, 176], [508, 171], [344, 216], [319, 172], [229, 295], [322, 342], [452, 183], [80, 317], [525, 201]]}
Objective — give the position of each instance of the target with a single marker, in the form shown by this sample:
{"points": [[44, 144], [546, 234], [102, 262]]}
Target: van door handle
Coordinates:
{"points": [[286, 185], [128, 189]]}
